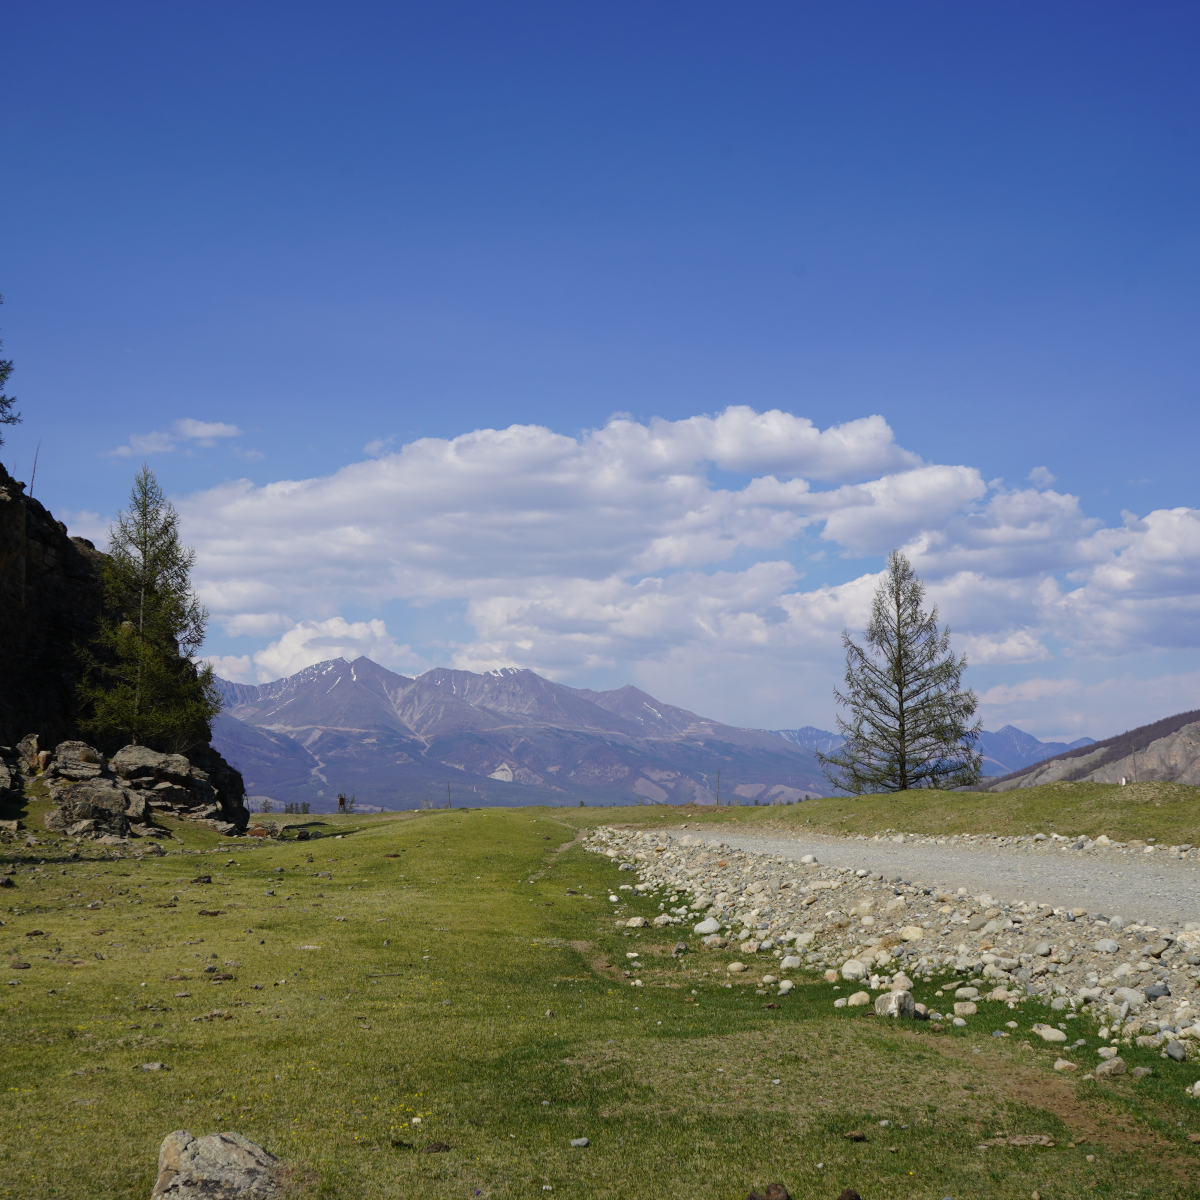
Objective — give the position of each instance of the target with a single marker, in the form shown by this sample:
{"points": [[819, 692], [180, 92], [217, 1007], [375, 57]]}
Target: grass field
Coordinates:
{"points": [[464, 968], [1169, 812]]}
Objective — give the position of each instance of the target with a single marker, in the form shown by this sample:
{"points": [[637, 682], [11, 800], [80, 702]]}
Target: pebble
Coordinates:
{"points": [[579, 1143]]}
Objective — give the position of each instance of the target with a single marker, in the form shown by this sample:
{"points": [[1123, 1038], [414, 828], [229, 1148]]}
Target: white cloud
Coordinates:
{"points": [[186, 430], [312, 642], [616, 550], [1041, 477], [1069, 708]]}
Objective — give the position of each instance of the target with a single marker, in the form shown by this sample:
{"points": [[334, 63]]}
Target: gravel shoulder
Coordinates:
{"points": [[1153, 889]]}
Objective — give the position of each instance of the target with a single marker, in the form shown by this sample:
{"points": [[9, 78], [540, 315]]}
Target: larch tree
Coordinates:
{"points": [[140, 677], [908, 722]]}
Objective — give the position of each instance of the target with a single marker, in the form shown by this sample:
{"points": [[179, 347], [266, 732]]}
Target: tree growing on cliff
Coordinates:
{"points": [[7, 415], [908, 717], [140, 680]]}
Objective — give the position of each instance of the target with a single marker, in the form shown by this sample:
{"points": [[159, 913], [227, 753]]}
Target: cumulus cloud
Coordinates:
{"points": [[309, 642], [619, 549], [187, 430]]}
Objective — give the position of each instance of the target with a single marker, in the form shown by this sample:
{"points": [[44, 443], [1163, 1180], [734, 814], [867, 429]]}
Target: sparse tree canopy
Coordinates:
{"points": [[908, 717], [7, 415], [140, 680]]}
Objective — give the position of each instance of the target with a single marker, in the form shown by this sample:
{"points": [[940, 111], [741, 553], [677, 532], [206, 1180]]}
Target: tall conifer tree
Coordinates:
{"points": [[908, 720], [140, 680]]}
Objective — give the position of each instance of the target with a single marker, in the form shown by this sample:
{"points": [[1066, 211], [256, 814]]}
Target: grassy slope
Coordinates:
{"points": [[327, 1064], [1169, 812]]}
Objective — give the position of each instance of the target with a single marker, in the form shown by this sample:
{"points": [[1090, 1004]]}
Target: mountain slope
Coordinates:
{"points": [[1007, 750], [507, 737], [1163, 755]]}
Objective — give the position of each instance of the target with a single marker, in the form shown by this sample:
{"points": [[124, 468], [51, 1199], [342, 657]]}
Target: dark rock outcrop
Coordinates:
{"points": [[50, 599], [119, 796]]}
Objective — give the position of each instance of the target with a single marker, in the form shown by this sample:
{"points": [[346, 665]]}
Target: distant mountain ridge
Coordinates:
{"points": [[504, 737], [1167, 749], [1005, 751]]}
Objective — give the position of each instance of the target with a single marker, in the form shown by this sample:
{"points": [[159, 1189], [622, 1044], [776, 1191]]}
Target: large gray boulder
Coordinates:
{"points": [[142, 763], [223, 1166], [895, 1004]]}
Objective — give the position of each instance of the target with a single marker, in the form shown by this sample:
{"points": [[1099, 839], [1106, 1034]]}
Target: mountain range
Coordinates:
{"points": [[511, 737], [504, 737], [1005, 751]]}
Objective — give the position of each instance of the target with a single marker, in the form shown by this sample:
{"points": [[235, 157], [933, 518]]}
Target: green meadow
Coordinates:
{"points": [[436, 1004], [1169, 812]]}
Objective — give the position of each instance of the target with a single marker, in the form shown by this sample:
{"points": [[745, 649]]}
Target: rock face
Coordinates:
{"points": [[224, 1166], [116, 797], [50, 598]]}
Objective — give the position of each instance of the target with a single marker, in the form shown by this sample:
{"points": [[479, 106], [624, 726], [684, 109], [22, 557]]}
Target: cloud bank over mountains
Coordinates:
{"points": [[677, 551]]}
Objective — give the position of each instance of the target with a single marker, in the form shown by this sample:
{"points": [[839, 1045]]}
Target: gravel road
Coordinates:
{"points": [[1160, 891]]}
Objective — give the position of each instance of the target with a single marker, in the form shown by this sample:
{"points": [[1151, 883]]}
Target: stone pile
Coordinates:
{"points": [[860, 927], [113, 799]]}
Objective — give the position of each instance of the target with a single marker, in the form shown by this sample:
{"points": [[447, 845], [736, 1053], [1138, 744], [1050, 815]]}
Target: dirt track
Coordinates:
{"points": [[1152, 888]]}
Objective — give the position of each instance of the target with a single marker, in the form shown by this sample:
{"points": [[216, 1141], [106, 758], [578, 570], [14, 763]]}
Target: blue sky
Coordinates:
{"points": [[245, 242]]}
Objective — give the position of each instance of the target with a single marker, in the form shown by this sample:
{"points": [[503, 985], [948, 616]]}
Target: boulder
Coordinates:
{"points": [[895, 1004], [140, 762], [854, 970], [223, 1166], [1049, 1034]]}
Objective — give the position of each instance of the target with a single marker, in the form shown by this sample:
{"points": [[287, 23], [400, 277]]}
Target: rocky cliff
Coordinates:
{"points": [[50, 600]]}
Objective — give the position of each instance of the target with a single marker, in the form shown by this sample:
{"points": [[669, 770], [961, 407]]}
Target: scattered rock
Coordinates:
{"points": [[223, 1166], [1065, 1064], [580, 1143], [854, 970], [1106, 946], [707, 926], [967, 1008], [736, 968], [858, 999], [856, 1135], [155, 1067], [1114, 1066], [895, 1004], [1048, 1033], [1141, 1073], [639, 923], [1177, 1051]]}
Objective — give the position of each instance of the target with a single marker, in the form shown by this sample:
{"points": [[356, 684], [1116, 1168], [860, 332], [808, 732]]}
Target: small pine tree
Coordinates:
{"points": [[140, 680], [909, 718], [7, 415]]}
